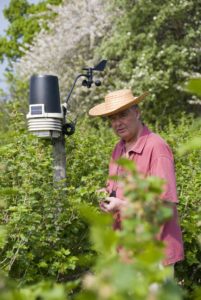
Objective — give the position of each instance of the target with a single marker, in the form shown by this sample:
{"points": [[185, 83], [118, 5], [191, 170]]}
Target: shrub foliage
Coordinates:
{"points": [[46, 236]]}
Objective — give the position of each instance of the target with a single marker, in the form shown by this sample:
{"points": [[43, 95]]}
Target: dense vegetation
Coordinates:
{"points": [[54, 242], [47, 239], [155, 47]]}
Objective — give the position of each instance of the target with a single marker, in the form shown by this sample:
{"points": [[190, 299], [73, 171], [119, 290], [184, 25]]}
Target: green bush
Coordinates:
{"points": [[46, 237], [189, 190]]}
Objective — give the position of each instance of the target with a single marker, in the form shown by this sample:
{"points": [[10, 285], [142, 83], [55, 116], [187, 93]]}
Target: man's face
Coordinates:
{"points": [[126, 123]]}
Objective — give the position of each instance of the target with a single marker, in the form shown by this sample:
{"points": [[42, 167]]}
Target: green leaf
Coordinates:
{"points": [[194, 86]]}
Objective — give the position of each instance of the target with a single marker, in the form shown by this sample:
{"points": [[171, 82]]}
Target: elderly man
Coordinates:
{"points": [[152, 157]]}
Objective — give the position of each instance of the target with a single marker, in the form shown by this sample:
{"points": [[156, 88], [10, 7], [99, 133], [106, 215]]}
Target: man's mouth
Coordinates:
{"points": [[121, 130]]}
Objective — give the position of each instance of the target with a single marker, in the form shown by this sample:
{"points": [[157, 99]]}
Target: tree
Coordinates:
{"points": [[155, 46], [25, 21], [69, 44], [150, 46]]}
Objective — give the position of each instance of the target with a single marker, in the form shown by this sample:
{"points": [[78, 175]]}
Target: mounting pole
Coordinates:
{"points": [[59, 159]]}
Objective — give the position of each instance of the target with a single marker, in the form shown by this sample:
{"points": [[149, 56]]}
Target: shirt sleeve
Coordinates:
{"points": [[163, 167]]}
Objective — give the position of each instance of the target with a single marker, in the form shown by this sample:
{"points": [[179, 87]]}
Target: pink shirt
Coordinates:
{"points": [[153, 157]]}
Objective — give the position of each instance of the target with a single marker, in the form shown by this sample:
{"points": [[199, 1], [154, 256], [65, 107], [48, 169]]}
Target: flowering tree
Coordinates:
{"points": [[69, 42]]}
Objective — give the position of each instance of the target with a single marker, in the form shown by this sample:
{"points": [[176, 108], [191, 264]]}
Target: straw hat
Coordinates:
{"points": [[115, 102]]}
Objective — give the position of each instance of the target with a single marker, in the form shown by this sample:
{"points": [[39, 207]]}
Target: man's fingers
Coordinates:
{"points": [[102, 190], [104, 206]]}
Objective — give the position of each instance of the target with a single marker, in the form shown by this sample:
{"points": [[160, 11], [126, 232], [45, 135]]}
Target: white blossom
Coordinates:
{"points": [[69, 43]]}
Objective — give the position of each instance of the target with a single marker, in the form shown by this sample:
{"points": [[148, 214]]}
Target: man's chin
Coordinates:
{"points": [[122, 135]]}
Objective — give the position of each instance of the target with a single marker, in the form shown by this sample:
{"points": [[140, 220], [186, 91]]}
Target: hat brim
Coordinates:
{"points": [[102, 110]]}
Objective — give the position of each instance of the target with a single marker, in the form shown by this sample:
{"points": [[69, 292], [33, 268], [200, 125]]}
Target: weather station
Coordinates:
{"points": [[47, 116]]}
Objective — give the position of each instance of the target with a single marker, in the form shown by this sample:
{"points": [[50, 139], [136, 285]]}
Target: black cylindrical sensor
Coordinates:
{"points": [[44, 89]]}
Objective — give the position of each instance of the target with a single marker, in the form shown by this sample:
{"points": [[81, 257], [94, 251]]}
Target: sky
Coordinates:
{"points": [[3, 26]]}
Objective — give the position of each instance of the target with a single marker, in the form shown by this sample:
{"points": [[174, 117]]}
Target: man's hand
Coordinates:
{"points": [[111, 204], [102, 190]]}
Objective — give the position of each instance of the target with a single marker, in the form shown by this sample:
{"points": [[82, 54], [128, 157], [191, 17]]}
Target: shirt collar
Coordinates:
{"points": [[138, 146]]}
